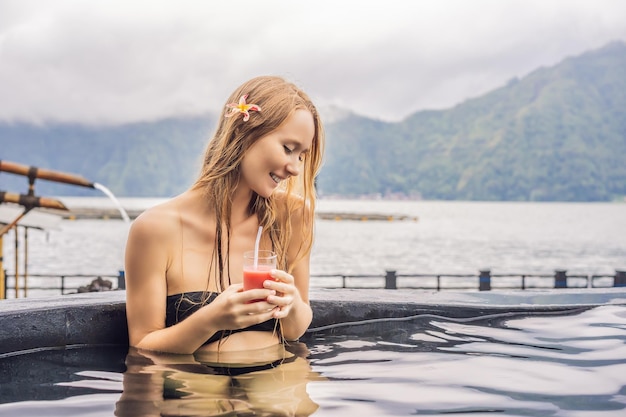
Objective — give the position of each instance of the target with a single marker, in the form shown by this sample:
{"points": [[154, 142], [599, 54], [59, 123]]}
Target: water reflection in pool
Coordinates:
{"points": [[538, 365], [548, 364], [266, 382]]}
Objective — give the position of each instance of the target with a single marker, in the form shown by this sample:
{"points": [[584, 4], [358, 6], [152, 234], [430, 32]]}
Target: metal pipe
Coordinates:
{"points": [[31, 201], [44, 174], [9, 226]]}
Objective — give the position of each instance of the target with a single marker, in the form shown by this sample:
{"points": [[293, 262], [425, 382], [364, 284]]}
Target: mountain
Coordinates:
{"points": [[556, 134], [142, 159]]}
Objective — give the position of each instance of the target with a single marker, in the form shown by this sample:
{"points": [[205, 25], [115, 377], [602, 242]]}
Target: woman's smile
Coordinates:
{"points": [[280, 152], [276, 178]]}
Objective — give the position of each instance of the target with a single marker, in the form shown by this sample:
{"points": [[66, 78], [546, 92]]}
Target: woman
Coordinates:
{"points": [[184, 258], [163, 384]]}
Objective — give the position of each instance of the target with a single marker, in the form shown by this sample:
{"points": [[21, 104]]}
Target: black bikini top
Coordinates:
{"points": [[181, 306]]}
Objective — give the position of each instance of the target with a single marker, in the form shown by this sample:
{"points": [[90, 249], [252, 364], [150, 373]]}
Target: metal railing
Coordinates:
{"points": [[483, 281], [61, 283]]}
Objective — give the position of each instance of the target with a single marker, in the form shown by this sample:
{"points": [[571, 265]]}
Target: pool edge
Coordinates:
{"points": [[100, 317]]}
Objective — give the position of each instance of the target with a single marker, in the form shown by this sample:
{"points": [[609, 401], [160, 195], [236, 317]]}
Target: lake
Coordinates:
{"points": [[449, 237]]}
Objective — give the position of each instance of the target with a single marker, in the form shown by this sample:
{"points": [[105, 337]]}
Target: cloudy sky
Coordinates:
{"points": [[117, 61]]}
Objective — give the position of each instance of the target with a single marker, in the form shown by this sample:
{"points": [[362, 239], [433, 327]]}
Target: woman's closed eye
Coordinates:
{"points": [[290, 151]]}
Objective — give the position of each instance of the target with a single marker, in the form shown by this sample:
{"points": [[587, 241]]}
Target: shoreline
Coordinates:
{"points": [[94, 213]]}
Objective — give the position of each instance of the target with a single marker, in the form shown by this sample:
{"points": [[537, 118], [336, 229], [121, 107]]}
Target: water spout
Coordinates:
{"points": [[109, 194]]}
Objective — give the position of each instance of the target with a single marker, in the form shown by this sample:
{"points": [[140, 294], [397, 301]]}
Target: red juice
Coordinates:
{"points": [[254, 278]]}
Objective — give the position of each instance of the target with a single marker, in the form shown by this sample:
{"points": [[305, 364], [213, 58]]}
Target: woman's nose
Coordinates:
{"points": [[293, 167]]}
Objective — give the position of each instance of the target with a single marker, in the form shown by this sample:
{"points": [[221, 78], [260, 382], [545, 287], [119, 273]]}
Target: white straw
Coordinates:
{"points": [[256, 247]]}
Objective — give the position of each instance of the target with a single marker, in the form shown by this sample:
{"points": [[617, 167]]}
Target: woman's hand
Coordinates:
{"points": [[237, 308], [285, 293]]}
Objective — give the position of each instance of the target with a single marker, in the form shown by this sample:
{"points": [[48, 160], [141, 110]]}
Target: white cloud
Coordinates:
{"points": [[115, 61]]}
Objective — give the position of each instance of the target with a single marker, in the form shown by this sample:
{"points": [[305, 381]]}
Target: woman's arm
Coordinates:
{"points": [[148, 256]]}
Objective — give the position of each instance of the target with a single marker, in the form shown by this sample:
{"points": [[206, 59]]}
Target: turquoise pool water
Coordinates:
{"points": [[560, 363]]}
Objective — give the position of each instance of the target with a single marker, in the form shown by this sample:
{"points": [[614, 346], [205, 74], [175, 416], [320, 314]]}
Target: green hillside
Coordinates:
{"points": [[557, 134], [157, 159]]}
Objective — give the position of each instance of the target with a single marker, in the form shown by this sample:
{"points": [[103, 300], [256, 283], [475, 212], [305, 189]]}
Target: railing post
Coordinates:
{"points": [[390, 280], [620, 279], [5, 282], [3, 272], [484, 280], [121, 280], [560, 278], [62, 284]]}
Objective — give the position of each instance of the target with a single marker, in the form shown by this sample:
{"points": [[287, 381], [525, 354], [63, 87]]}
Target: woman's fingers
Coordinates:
{"points": [[256, 294], [285, 292], [282, 276], [239, 309], [283, 283]]}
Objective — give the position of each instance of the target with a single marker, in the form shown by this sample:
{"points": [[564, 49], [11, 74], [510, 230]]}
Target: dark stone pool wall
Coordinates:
{"points": [[99, 318]]}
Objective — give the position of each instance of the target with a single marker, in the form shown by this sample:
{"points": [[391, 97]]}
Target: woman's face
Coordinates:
{"points": [[279, 154]]}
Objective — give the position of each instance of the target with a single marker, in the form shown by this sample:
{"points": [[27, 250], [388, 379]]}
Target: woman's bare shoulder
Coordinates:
{"points": [[158, 221]]}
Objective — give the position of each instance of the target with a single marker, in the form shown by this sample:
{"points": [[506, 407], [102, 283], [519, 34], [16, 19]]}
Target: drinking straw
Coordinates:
{"points": [[256, 247]]}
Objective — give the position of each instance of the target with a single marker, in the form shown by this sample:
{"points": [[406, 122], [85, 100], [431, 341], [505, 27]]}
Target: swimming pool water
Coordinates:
{"points": [[567, 363], [533, 365]]}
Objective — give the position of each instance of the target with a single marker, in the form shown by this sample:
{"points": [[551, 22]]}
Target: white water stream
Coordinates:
{"points": [[109, 194]]}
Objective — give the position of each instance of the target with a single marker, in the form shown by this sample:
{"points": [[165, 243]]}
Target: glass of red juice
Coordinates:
{"points": [[255, 274]]}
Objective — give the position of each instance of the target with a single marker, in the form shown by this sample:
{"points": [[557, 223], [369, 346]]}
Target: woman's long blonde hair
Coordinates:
{"points": [[220, 172]]}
